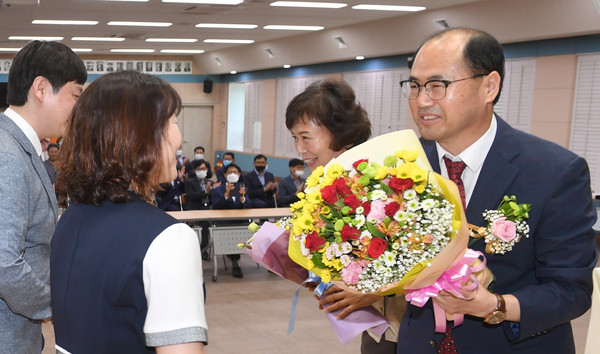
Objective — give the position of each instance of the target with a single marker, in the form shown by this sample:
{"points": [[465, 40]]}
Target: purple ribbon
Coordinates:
{"points": [[451, 281]]}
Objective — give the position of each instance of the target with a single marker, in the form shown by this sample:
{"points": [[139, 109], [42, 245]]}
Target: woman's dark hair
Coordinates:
{"points": [[482, 53], [113, 145], [52, 60], [331, 103]]}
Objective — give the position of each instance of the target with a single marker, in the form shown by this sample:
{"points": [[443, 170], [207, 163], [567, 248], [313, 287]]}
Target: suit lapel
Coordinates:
{"points": [[36, 161], [497, 172]]}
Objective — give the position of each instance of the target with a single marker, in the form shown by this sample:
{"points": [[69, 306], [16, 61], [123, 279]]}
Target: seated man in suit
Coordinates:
{"points": [[261, 184], [228, 158], [231, 195], [169, 198], [291, 185]]}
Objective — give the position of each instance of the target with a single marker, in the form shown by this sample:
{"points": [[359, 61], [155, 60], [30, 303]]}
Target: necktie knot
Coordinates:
{"points": [[455, 170]]}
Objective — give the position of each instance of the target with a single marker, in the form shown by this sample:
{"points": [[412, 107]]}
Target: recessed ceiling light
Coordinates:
{"points": [[388, 7], [64, 22], [236, 41], [226, 25], [81, 50], [360, 57], [287, 66], [98, 39], [321, 5], [207, 2], [9, 49], [139, 24], [293, 28], [172, 40], [132, 50], [33, 38], [233, 72], [182, 51]]}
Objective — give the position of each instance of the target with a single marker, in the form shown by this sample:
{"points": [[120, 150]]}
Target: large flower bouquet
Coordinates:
{"points": [[380, 221]]}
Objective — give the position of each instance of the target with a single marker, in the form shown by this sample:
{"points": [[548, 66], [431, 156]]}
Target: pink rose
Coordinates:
{"points": [[351, 272], [505, 230]]}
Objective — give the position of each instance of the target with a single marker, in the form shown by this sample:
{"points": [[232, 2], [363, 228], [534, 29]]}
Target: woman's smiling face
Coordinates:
{"points": [[312, 141]]}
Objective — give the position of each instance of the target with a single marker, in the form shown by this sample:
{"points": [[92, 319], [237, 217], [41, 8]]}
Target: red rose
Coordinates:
{"points": [[352, 201], [391, 209], [349, 233], [314, 242], [355, 164], [399, 185], [377, 247], [341, 187], [329, 195], [367, 207]]}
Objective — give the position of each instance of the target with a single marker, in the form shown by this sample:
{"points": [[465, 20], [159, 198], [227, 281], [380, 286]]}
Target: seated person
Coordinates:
{"points": [[198, 191], [291, 185], [199, 155], [261, 184], [168, 198], [228, 158], [231, 195]]}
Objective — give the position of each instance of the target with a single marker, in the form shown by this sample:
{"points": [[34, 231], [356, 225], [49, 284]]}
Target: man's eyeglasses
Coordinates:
{"points": [[436, 89]]}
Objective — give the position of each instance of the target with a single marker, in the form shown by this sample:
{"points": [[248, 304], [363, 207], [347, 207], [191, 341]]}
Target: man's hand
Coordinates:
{"points": [[269, 186]]}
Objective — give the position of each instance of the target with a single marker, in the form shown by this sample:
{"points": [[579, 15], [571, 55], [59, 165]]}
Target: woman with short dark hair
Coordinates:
{"points": [[125, 275]]}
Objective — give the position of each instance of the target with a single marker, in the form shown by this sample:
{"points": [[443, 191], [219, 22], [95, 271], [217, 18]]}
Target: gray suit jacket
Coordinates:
{"points": [[28, 212]]}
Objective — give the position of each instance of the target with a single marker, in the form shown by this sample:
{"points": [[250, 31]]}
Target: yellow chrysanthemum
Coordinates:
{"points": [[404, 171], [314, 177], [419, 175], [334, 263], [310, 264], [325, 210], [296, 229], [401, 153], [325, 276], [411, 155], [301, 195], [314, 197], [420, 188], [298, 205], [305, 222], [327, 180], [335, 170], [381, 173], [393, 171]]}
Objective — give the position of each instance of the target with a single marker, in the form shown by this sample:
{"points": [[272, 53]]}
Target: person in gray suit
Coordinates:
{"points": [[44, 81]]}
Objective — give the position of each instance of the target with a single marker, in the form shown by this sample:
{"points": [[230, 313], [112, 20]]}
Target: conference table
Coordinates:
{"points": [[224, 238]]}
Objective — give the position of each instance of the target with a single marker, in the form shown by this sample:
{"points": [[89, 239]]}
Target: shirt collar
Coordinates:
{"points": [[26, 128], [474, 155]]}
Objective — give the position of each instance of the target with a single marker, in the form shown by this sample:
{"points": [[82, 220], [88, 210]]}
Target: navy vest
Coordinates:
{"points": [[98, 299]]}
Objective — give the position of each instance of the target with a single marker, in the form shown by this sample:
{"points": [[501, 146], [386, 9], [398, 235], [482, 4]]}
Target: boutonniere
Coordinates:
{"points": [[506, 226]]}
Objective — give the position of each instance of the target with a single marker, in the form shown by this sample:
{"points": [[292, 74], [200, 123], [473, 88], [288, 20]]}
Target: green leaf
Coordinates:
{"points": [[373, 230]]}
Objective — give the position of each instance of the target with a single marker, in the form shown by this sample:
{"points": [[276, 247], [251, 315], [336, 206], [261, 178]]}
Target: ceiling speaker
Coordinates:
{"points": [[208, 84]]}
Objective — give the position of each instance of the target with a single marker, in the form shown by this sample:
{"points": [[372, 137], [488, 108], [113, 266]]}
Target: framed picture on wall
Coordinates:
{"points": [[149, 67], [139, 66], [168, 67], [110, 66], [99, 66], [187, 66], [129, 65], [158, 66]]}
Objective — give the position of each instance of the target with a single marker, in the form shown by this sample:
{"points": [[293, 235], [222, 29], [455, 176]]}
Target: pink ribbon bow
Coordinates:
{"points": [[451, 280]]}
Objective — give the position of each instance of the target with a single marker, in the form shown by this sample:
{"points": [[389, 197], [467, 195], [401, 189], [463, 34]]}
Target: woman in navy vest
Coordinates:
{"points": [[126, 277]]}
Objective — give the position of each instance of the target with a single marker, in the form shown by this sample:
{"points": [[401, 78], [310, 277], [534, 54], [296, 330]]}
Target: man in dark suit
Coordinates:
{"points": [[291, 185], [545, 281], [261, 184], [228, 158], [231, 195]]}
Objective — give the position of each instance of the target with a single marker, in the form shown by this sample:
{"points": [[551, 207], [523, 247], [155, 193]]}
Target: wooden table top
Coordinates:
{"points": [[230, 214]]}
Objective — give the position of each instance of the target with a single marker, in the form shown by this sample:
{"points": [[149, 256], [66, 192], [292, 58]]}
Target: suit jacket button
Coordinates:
{"points": [[432, 343]]}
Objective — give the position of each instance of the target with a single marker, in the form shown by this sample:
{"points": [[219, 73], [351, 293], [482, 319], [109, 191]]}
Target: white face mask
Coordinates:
{"points": [[179, 153], [299, 173], [232, 178], [199, 156], [201, 173]]}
